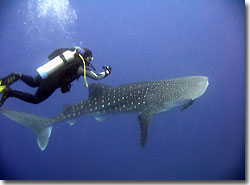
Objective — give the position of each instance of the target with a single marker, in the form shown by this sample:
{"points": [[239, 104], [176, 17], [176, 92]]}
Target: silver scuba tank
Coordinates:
{"points": [[55, 64]]}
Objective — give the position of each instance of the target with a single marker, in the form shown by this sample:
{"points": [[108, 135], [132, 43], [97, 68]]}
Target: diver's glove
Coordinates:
{"points": [[107, 70]]}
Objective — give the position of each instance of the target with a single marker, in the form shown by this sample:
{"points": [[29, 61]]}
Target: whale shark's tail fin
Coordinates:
{"points": [[37, 124]]}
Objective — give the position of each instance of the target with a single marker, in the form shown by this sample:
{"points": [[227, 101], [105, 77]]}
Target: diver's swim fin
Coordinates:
{"points": [[4, 96], [2, 87], [7, 81]]}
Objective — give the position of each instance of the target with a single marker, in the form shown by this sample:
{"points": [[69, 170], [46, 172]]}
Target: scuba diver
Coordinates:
{"points": [[65, 66]]}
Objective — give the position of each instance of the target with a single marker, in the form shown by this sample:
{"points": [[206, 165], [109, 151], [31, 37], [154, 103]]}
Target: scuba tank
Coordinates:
{"points": [[56, 63]]}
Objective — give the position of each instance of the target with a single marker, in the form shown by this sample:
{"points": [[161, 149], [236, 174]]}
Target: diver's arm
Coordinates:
{"points": [[93, 75]]}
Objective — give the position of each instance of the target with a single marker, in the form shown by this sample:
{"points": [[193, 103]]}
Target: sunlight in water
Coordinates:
{"points": [[50, 16], [59, 10]]}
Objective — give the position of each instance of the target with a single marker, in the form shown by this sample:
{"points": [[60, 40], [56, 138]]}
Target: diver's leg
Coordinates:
{"points": [[4, 96], [41, 94], [35, 99], [23, 96], [17, 94], [45, 89], [13, 77], [20, 95], [30, 81]]}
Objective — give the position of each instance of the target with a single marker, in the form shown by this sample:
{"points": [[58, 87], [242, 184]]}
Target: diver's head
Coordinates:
{"points": [[86, 54]]}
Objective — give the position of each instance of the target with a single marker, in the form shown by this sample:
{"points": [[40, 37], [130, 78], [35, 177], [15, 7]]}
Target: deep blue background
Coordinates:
{"points": [[141, 40]]}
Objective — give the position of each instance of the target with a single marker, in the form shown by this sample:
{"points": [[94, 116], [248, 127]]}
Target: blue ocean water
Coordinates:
{"points": [[141, 40]]}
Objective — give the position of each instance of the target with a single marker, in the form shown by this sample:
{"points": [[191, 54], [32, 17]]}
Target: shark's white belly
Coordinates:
{"points": [[173, 106]]}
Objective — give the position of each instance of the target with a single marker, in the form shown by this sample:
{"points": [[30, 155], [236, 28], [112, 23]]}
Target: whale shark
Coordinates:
{"points": [[146, 98]]}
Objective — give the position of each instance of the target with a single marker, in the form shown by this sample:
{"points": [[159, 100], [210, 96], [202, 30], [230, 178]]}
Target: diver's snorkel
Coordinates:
{"points": [[80, 53], [84, 70]]}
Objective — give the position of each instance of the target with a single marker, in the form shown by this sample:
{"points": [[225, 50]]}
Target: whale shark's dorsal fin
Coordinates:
{"points": [[97, 89], [66, 107]]}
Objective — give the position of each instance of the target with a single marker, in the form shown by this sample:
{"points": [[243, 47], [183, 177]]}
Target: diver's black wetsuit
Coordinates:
{"points": [[60, 79], [46, 87]]}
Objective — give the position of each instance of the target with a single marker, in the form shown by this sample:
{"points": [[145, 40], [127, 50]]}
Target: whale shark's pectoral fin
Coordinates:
{"points": [[71, 122], [43, 136], [100, 118], [144, 120], [187, 105]]}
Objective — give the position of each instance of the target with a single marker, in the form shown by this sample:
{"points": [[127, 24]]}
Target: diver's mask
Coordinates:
{"points": [[88, 59]]}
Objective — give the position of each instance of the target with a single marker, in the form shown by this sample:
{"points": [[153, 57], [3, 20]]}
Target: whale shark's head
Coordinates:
{"points": [[180, 92], [199, 85]]}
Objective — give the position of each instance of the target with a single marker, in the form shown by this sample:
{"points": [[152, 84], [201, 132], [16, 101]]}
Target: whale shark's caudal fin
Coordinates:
{"points": [[35, 123]]}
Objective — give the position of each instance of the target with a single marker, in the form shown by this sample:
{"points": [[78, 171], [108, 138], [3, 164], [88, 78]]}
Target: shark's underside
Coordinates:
{"points": [[146, 98]]}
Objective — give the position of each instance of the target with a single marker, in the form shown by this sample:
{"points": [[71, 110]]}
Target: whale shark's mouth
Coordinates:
{"points": [[205, 88]]}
